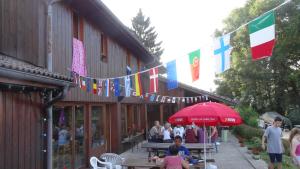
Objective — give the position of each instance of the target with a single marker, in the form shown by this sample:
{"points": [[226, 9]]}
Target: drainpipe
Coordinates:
{"points": [[50, 34], [51, 101], [48, 107]]}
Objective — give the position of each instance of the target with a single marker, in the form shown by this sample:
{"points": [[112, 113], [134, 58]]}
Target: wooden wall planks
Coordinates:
{"points": [[20, 132]]}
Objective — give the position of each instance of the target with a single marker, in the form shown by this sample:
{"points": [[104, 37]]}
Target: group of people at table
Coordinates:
{"points": [[177, 155], [190, 134]]}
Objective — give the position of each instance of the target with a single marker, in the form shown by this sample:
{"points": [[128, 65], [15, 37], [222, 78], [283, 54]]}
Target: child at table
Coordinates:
{"points": [[174, 161]]}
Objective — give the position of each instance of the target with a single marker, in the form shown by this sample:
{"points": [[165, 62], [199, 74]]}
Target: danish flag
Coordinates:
{"points": [[153, 80]]}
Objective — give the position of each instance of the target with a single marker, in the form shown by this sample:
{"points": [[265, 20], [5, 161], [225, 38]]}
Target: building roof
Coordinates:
{"points": [[10, 66], [97, 12], [203, 92]]}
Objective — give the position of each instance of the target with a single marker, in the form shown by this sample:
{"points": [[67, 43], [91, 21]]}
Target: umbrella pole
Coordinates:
{"points": [[204, 147]]}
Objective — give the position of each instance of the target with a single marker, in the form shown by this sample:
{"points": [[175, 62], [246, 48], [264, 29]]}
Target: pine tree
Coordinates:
{"points": [[146, 34]]}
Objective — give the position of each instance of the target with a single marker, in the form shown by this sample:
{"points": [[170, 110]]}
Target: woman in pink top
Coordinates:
{"points": [[174, 161], [295, 145]]}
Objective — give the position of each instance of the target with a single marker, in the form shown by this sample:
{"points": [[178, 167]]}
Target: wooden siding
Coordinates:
{"points": [[20, 131], [22, 30], [116, 60]]}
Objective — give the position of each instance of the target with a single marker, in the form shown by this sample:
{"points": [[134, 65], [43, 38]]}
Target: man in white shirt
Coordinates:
{"points": [[178, 131]]}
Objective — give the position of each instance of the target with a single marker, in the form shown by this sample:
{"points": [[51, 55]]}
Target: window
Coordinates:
{"points": [[79, 136], [98, 126], [104, 48], [78, 25], [124, 120], [61, 137]]}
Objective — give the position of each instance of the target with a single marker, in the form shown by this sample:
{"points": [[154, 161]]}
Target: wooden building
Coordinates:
{"points": [[36, 42]]}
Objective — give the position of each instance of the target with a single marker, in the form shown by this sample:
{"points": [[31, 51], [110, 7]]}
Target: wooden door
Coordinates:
{"points": [[69, 136]]}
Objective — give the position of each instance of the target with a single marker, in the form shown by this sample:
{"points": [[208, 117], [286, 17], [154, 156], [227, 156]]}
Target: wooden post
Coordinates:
{"points": [[161, 111]]}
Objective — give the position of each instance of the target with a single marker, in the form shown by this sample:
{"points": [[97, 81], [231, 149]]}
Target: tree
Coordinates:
{"points": [[271, 84], [146, 34]]}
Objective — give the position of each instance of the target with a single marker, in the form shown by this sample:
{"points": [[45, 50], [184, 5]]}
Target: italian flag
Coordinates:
{"points": [[262, 36], [194, 58]]}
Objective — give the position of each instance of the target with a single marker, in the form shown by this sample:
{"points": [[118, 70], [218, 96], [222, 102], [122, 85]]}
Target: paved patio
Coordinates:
{"points": [[230, 156]]}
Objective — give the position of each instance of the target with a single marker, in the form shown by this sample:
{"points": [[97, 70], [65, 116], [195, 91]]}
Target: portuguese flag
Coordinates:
{"points": [[195, 64], [262, 36]]}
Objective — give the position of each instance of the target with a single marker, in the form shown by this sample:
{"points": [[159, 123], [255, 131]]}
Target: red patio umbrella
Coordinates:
{"points": [[208, 114]]}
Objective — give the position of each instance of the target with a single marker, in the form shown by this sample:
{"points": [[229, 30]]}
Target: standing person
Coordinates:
{"points": [[190, 135], [173, 160], [214, 136], [202, 134], [295, 145], [178, 131], [155, 132], [167, 131], [274, 145]]}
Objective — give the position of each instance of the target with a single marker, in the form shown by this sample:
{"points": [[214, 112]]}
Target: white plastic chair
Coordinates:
{"points": [[114, 159], [94, 163]]}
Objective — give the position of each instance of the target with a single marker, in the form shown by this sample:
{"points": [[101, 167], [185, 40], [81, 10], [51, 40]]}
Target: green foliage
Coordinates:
{"points": [[294, 115], [249, 115], [247, 132], [146, 34], [271, 84]]}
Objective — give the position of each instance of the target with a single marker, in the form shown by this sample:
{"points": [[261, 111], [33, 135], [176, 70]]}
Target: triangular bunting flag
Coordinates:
{"points": [[157, 98], [174, 100], [163, 99], [152, 97]]}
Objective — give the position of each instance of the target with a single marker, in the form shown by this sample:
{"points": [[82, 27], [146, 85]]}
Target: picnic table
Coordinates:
{"points": [[164, 146], [144, 163]]}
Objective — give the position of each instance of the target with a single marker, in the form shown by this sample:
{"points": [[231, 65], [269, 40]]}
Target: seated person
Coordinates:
{"points": [[178, 131], [182, 150], [155, 132], [167, 132], [173, 161]]}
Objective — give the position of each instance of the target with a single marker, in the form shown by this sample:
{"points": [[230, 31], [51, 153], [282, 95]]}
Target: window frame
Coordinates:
{"points": [[104, 47]]}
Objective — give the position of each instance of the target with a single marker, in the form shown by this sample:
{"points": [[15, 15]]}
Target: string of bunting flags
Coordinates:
{"points": [[262, 41], [113, 87]]}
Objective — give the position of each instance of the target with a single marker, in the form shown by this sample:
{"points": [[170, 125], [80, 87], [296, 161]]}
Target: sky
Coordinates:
{"points": [[183, 26]]}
